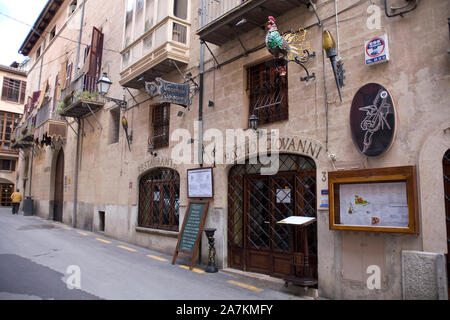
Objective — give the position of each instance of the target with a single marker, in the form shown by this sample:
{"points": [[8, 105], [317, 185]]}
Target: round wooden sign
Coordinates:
{"points": [[373, 120]]}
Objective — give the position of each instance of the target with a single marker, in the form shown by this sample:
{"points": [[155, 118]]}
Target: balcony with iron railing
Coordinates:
{"points": [[49, 124], [80, 98], [223, 20], [154, 43]]}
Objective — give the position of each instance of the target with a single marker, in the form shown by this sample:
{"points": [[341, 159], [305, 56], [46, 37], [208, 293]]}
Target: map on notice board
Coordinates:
{"points": [[374, 204]]}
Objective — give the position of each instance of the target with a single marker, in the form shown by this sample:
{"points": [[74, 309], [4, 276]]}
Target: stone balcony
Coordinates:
{"points": [[224, 20], [156, 52]]}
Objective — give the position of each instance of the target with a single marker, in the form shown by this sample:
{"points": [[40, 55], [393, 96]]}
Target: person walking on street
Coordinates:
{"points": [[16, 198]]}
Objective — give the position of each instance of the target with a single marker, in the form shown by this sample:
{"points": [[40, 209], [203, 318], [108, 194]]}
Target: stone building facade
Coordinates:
{"points": [[13, 86], [87, 171]]}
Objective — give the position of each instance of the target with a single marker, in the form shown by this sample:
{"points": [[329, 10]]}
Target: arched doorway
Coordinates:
{"points": [[256, 202], [59, 187], [446, 170], [159, 199]]}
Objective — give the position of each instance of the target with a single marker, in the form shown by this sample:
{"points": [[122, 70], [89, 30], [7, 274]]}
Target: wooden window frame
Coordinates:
{"points": [[268, 93], [13, 118], [146, 218], [8, 87], [405, 174], [160, 125]]}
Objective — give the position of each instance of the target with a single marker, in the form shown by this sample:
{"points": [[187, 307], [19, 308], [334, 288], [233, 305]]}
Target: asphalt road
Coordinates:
{"points": [[38, 257]]}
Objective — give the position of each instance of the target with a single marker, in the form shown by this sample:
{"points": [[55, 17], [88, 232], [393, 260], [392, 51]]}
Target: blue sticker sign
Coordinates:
{"points": [[376, 50]]}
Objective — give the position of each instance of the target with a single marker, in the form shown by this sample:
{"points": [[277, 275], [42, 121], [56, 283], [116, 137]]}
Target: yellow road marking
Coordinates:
{"points": [[156, 258], [67, 228], [82, 233], [126, 248], [55, 224], [102, 240], [246, 286], [193, 269]]}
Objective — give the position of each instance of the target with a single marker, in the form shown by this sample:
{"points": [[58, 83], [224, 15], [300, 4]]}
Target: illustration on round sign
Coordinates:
{"points": [[372, 120]]}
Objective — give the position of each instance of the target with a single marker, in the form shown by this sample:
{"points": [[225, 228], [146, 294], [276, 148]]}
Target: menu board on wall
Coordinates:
{"points": [[381, 199], [200, 183], [374, 204]]}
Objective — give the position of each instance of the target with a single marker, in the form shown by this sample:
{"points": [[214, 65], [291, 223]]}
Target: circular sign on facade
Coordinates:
{"points": [[372, 120]]}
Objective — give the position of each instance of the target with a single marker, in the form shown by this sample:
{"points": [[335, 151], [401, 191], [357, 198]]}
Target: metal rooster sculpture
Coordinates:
{"points": [[287, 47], [276, 44]]}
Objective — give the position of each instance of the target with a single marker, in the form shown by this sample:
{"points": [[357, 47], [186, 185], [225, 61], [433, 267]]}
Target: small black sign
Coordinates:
{"points": [[372, 120]]}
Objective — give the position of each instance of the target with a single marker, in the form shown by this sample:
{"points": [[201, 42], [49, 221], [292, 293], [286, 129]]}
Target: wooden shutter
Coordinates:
{"points": [[23, 87], [62, 76], [34, 100], [95, 56], [69, 75], [56, 93], [42, 95], [5, 88]]}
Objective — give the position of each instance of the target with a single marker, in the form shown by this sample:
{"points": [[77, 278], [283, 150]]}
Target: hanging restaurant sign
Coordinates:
{"points": [[372, 120], [171, 92]]}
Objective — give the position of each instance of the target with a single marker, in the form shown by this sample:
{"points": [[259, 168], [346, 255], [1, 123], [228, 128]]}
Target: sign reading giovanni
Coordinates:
{"points": [[171, 92]]}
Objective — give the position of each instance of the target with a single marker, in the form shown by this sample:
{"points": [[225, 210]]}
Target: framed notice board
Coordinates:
{"points": [[200, 183], [383, 200], [191, 232]]}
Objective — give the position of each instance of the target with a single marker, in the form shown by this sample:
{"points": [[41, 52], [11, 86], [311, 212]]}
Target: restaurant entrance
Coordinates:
{"points": [[256, 202]]}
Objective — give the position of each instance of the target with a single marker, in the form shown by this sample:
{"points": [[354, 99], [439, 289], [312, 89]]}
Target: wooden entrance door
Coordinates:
{"points": [[59, 188], [256, 202], [6, 190], [446, 167]]}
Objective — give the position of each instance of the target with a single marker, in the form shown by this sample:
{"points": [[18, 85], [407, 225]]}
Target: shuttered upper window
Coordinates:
{"points": [[13, 90]]}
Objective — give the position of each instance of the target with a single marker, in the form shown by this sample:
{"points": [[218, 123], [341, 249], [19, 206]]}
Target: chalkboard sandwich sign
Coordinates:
{"points": [[191, 232]]}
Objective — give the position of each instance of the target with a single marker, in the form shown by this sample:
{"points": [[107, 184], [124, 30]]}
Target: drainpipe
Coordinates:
{"points": [[77, 62], [200, 98], [75, 186], [77, 153]]}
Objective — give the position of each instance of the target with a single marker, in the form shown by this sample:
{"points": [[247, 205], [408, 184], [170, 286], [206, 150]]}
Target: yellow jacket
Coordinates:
{"points": [[16, 197]]}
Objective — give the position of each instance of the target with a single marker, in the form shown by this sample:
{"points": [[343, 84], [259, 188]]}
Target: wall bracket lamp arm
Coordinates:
{"points": [[393, 9]]}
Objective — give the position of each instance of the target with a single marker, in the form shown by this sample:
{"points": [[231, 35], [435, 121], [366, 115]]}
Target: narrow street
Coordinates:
{"points": [[35, 255]]}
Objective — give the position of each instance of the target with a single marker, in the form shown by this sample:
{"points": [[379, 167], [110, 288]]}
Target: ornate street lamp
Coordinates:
{"points": [[103, 85]]}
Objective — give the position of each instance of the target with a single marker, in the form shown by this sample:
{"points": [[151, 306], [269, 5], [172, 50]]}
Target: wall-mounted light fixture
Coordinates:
{"points": [[253, 122], [103, 85], [330, 48]]}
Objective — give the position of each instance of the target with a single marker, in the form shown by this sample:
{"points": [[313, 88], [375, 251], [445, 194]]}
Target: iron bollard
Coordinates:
{"points": [[211, 268]]}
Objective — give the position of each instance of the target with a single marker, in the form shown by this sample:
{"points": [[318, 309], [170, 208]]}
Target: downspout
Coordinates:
{"points": [[77, 62], [200, 98], [75, 187], [77, 153]]}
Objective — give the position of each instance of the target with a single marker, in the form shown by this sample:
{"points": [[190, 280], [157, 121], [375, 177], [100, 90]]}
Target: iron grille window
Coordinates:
{"points": [[159, 199], [161, 118], [268, 94]]}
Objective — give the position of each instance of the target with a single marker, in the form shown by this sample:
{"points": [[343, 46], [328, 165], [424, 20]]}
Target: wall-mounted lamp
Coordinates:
{"points": [[330, 48], [103, 85], [253, 122], [150, 150]]}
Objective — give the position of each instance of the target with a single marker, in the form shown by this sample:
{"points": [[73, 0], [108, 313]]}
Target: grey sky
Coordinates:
{"points": [[13, 33]]}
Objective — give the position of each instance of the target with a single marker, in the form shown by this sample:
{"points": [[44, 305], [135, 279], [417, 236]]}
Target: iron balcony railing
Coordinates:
{"points": [[214, 9], [84, 88]]}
